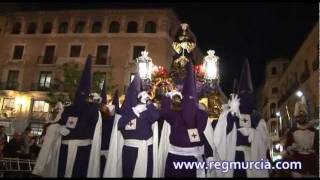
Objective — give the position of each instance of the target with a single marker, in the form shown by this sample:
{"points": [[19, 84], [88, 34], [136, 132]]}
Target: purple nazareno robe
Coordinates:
{"points": [[143, 131], [179, 137]]}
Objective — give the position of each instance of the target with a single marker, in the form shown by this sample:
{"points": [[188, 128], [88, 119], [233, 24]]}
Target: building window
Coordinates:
{"points": [[79, 28], [18, 52], [96, 27], [75, 51], [45, 80], [274, 90], [36, 129], [32, 28], [102, 55], [12, 80], [16, 28], [114, 27], [8, 104], [98, 80], [273, 110], [49, 52], [150, 27], [47, 27], [63, 27], [274, 71], [40, 106], [137, 52], [132, 27]]}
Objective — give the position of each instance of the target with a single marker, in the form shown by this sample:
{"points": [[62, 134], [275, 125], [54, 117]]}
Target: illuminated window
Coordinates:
{"points": [[36, 129], [8, 104], [45, 80], [40, 106]]}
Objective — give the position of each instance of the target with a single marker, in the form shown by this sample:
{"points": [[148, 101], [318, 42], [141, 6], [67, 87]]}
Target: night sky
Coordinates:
{"points": [[236, 31]]}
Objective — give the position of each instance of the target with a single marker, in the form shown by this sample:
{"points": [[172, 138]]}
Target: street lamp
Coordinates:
{"points": [[299, 93], [210, 65], [145, 68], [304, 101]]}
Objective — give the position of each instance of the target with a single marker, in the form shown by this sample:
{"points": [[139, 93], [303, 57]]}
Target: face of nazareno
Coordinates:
{"points": [[176, 102]]}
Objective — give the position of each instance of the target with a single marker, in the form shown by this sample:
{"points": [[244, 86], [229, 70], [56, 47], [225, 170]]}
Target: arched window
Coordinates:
{"points": [[132, 27], [114, 27], [63, 27], [79, 28], [96, 27], [32, 28], [150, 27], [273, 110], [47, 27], [16, 28]]}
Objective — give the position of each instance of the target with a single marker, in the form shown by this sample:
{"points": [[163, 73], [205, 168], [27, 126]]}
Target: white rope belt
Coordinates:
{"points": [[243, 148], [140, 169], [197, 152], [72, 152], [137, 143]]}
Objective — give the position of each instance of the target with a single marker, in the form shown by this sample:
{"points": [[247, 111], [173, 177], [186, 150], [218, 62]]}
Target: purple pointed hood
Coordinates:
{"points": [[245, 90], [84, 86], [131, 98], [189, 101]]}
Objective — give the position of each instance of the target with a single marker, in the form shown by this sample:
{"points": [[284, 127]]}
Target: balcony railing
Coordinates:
{"points": [[102, 61], [46, 87], [40, 116], [9, 85], [43, 60]]}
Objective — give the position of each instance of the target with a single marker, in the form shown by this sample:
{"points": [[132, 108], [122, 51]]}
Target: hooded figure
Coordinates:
{"points": [[134, 138], [72, 145], [108, 114], [241, 134], [186, 133], [302, 143]]}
